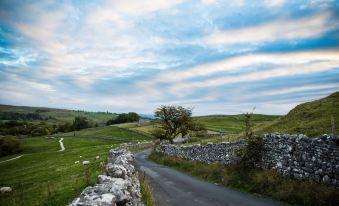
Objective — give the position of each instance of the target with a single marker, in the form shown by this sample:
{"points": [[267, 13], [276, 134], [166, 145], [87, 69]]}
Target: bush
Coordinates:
{"points": [[9, 145]]}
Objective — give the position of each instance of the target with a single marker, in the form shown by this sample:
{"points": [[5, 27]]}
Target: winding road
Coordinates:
{"points": [[171, 187]]}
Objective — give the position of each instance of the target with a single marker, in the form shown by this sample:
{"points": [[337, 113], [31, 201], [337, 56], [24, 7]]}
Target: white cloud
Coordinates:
{"points": [[239, 62], [274, 3], [302, 89], [182, 88], [304, 28]]}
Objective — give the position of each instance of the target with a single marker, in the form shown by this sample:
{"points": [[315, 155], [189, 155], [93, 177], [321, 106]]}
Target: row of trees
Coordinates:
{"points": [[17, 128], [123, 118]]}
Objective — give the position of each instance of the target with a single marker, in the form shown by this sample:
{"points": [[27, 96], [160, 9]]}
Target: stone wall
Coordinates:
{"points": [[292, 155], [118, 186], [222, 152]]}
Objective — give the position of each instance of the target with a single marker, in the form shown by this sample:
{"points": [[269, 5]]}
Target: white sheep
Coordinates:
{"points": [[97, 157], [4, 190], [86, 162], [76, 162]]}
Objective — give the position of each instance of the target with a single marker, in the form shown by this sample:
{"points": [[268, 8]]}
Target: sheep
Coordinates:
{"points": [[86, 162], [97, 157], [76, 162], [4, 190]]}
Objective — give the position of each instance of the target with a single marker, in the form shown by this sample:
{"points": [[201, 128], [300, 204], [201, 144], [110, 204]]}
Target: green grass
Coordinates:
{"points": [[146, 191], [232, 123], [264, 183], [109, 132], [311, 118], [127, 125], [44, 176]]}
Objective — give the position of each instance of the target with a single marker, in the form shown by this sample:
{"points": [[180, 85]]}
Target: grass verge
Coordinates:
{"points": [[146, 191], [263, 183]]}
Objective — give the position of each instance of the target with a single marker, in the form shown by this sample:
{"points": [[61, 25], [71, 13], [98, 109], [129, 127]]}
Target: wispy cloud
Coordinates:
{"points": [[134, 55], [292, 29]]}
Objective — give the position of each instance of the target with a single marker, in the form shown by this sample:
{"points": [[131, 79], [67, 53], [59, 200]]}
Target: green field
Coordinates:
{"points": [[311, 118], [56, 116], [109, 132], [44, 176], [233, 123]]}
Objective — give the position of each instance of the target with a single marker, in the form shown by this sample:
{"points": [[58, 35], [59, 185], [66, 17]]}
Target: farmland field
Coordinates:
{"points": [[45, 176]]}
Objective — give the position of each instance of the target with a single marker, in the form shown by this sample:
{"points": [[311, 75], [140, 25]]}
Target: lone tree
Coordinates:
{"points": [[173, 120]]}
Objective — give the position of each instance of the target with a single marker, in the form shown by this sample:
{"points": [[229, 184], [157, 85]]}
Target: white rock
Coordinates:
{"points": [[86, 162], [4, 190]]}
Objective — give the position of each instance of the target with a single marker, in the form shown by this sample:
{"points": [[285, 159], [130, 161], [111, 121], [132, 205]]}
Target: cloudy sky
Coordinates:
{"points": [[220, 57]]}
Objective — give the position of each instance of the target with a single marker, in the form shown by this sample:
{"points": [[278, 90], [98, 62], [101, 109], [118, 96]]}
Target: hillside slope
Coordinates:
{"points": [[232, 123], [311, 118]]}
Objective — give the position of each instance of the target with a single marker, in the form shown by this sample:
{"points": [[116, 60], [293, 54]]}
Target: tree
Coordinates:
{"points": [[173, 120], [80, 123], [252, 152]]}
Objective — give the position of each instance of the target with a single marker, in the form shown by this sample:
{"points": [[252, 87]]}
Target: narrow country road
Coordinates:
{"points": [[171, 188]]}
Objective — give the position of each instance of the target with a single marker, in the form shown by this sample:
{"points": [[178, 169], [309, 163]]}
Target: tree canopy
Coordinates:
{"points": [[172, 121]]}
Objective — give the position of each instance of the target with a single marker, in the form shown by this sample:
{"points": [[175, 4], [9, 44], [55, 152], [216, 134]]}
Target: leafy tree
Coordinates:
{"points": [[80, 123], [173, 120], [252, 152]]}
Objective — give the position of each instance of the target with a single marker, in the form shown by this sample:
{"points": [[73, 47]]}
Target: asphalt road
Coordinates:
{"points": [[171, 187]]}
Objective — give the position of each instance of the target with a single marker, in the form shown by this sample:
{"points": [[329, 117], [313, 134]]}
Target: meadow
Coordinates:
{"points": [[45, 176]]}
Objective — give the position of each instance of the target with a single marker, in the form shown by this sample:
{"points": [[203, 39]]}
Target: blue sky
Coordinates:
{"points": [[220, 57]]}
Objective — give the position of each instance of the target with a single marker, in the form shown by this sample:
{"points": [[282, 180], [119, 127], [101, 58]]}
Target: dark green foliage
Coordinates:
{"points": [[80, 123], [252, 152], [267, 183], [311, 118], [172, 121], [20, 116], [123, 118], [9, 145]]}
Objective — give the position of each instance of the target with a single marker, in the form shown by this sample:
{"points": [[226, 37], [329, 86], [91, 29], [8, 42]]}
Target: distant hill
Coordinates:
{"points": [[50, 115], [311, 118], [233, 123]]}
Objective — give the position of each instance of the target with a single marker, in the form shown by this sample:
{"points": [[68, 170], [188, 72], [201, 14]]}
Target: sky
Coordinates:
{"points": [[219, 57]]}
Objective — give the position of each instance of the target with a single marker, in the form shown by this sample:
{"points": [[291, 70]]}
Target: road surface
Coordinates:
{"points": [[172, 188]]}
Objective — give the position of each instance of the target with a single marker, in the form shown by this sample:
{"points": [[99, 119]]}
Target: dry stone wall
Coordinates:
{"points": [[118, 186], [292, 155]]}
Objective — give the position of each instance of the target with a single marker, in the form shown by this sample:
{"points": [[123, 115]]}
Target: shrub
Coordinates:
{"points": [[9, 145]]}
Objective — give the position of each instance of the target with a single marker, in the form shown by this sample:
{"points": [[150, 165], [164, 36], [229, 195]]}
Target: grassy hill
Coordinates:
{"points": [[55, 116], [311, 118], [233, 123], [45, 176]]}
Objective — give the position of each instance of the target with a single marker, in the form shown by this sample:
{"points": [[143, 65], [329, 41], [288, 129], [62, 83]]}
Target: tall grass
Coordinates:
{"points": [[146, 191]]}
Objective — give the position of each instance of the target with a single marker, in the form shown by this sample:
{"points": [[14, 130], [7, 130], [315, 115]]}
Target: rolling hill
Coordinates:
{"points": [[311, 118], [233, 123]]}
